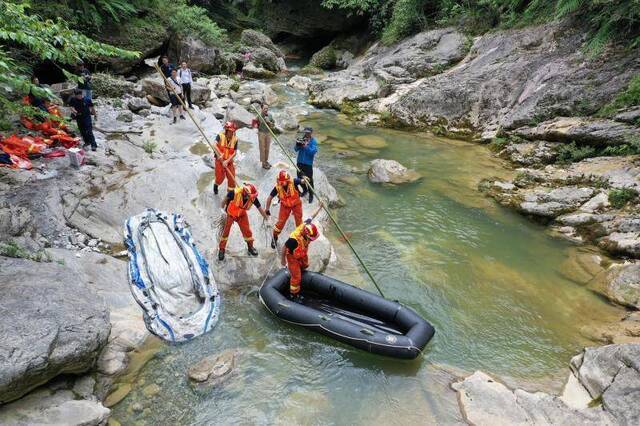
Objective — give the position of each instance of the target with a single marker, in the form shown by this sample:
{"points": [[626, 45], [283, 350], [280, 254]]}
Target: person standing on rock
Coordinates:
{"points": [[226, 143], [264, 136], [295, 255], [82, 111], [236, 206], [174, 88], [289, 191], [307, 148], [85, 85], [186, 77], [166, 67]]}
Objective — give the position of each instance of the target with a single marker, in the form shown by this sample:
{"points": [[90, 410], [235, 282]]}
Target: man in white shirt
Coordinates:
{"points": [[187, 78], [174, 88]]}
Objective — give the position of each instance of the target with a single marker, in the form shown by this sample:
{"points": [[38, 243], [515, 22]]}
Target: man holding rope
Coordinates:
{"points": [[226, 144], [295, 253], [289, 191]]}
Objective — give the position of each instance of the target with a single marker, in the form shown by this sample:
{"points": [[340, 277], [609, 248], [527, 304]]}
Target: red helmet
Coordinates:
{"points": [[230, 125], [250, 190], [310, 230], [284, 176]]}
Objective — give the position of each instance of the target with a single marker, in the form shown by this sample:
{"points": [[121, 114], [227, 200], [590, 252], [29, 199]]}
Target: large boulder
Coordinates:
{"points": [[422, 55], [239, 115], [265, 58], [486, 401], [621, 284], [587, 131], [52, 323], [552, 203], [512, 78], [299, 82], [324, 58], [612, 373], [253, 38], [110, 86], [54, 407], [390, 171], [342, 87], [154, 86], [254, 91], [200, 56], [251, 70]]}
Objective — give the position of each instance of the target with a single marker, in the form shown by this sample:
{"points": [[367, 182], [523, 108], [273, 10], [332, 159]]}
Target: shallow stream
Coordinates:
{"points": [[497, 288]]}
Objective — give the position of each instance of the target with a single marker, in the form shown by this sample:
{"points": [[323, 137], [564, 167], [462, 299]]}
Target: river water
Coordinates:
{"points": [[497, 289]]}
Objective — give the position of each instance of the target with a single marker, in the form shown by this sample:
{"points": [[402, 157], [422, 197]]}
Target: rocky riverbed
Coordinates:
{"points": [[61, 368]]}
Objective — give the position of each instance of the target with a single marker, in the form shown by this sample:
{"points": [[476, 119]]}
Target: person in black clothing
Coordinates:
{"points": [[85, 86], [34, 100], [166, 67], [82, 111]]}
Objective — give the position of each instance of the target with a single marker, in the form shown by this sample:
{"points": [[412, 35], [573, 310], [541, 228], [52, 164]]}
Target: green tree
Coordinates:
{"points": [[29, 36]]}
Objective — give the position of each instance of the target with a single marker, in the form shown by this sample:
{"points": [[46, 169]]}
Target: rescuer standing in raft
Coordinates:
{"points": [[236, 206], [289, 191], [226, 143], [294, 253]]}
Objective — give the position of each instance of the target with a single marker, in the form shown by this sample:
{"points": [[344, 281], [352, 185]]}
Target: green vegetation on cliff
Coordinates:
{"points": [[26, 38], [627, 98], [611, 20]]}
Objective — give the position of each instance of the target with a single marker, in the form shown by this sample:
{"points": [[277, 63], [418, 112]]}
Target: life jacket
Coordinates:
{"points": [[237, 207], [303, 244], [226, 148], [288, 194]]}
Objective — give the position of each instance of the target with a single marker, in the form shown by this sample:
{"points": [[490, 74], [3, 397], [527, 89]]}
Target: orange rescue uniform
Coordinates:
{"points": [[298, 260], [227, 148], [290, 202], [237, 212]]}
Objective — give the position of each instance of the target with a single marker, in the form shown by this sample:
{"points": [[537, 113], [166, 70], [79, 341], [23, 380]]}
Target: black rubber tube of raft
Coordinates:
{"points": [[349, 314]]}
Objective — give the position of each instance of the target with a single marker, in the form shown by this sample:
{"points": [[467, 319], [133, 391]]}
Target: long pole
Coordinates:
{"points": [[323, 205], [184, 106]]}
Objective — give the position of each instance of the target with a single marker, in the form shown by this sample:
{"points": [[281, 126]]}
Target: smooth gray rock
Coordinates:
{"points": [[262, 57], [424, 54], [154, 86], [200, 56], [623, 285], [253, 38], [254, 91], [555, 202], [630, 116], [252, 70], [240, 115], [390, 171], [51, 324], [485, 401], [511, 78], [299, 82], [584, 131], [53, 407], [138, 104], [340, 87]]}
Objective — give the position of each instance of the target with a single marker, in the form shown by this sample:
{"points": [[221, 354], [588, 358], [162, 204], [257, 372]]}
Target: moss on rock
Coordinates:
{"points": [[324, 58]]}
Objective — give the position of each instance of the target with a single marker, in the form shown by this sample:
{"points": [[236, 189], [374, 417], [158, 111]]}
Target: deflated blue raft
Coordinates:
{"points": [[169, 278]]}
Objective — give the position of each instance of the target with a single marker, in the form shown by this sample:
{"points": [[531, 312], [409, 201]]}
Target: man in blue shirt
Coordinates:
{"points": [[307, 147], [85, 85], [166, 67]]}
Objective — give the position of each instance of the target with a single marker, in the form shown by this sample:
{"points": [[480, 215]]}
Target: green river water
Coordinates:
{"points": [[493, 284]]}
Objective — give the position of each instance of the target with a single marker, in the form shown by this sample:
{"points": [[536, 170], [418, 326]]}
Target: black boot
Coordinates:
{"points": [[215, 189], [221, 255], [252, 251], [310, 197], [274, 242]]}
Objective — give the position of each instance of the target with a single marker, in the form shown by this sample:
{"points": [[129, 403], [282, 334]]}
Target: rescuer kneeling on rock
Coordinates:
{"points": [[226, 143], [236, 205], [295, 256], [289, 191]]}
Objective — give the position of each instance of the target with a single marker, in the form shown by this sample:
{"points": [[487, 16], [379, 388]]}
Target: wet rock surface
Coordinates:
{"points": [[390, 171], [52, 324], [213, 370]]}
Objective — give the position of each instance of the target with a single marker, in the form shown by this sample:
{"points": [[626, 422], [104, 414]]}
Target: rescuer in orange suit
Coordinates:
{"points": [[295, 255], [226, 143], [236, 206], [289, 191]]}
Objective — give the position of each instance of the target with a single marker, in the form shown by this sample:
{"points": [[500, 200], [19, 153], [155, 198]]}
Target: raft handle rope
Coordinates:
{"points": [[324, 206]]}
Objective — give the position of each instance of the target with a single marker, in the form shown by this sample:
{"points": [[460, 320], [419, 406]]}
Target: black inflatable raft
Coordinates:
{"points": [[349, 314]]}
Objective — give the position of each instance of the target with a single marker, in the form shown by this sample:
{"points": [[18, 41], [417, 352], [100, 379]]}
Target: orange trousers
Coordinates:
{"points": [[243, 222], [296, 266], [283, 216], [229, 173]]}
